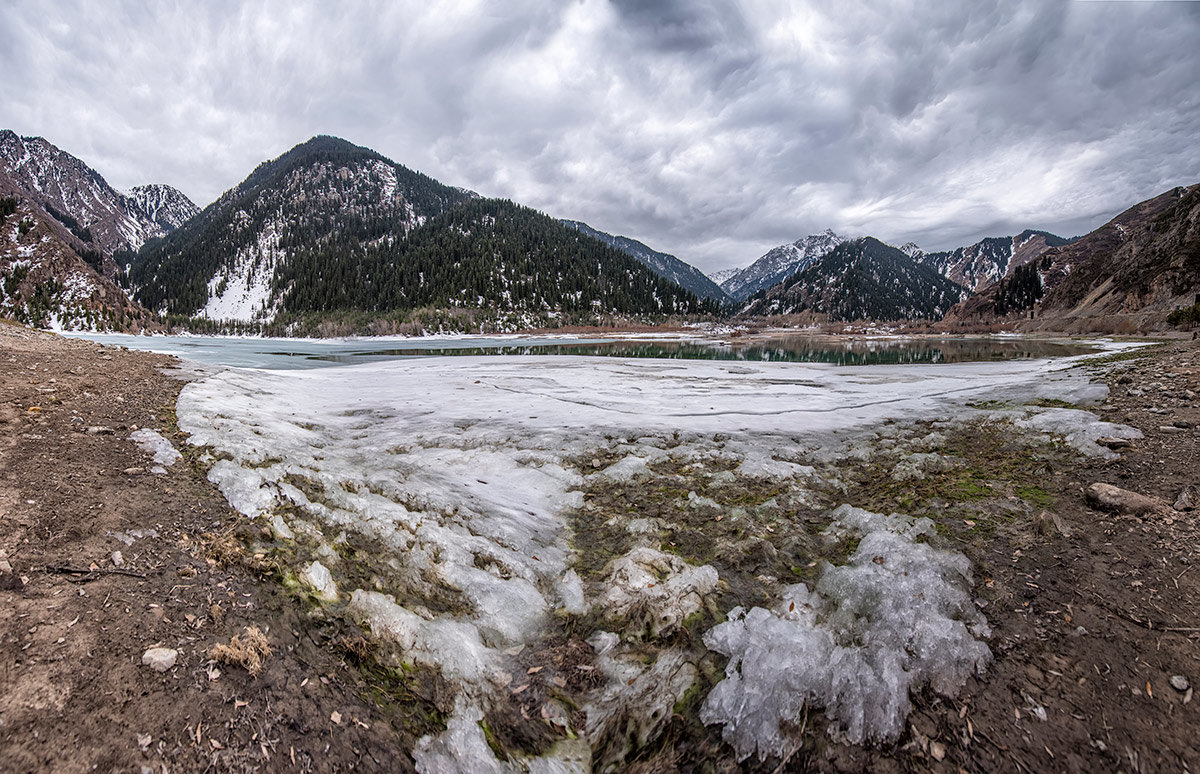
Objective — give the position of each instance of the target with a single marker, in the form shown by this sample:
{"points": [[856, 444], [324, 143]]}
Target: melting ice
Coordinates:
{"points": [[460, 469]]}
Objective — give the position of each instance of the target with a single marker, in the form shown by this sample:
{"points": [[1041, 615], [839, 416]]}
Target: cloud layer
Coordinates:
{"points": [[710, 130]]}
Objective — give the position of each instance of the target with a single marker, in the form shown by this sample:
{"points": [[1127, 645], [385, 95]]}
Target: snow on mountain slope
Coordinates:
{"points": [[77, 195], [164, 205], [780, 263]]}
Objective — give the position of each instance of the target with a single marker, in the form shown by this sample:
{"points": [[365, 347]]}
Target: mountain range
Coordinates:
{"points": [[332, 238]]}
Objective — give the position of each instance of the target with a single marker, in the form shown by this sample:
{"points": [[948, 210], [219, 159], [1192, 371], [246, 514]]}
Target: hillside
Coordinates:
{"points": [[44, 282], [1127, 274], [860, 280], [486, 262], [1154, 270], [778, 264], [663, 264], [332, 232]]}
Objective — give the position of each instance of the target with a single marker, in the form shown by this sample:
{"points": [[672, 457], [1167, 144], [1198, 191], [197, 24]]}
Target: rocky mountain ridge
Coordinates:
{"points": [[862, 279], [79, 197], [779, 263]]}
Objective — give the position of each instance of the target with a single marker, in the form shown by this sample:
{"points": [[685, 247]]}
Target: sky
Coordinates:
{"points": [[710, 130]]}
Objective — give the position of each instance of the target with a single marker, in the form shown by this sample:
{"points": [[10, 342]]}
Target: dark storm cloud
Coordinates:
{"points": [[713, 130]]}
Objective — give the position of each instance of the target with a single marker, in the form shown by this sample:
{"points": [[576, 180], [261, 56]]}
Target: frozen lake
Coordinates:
{"points": [[316, 353]]}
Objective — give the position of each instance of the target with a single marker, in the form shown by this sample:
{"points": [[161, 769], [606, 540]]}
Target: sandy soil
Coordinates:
{"points": [[1091, 616]]}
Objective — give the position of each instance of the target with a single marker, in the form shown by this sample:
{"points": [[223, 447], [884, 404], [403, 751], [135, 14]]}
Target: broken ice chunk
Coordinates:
{"points": [[897, 616]]}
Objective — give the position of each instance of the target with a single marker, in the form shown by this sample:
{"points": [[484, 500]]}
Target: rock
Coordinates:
{"points": [[1183, 424], [4, 565], [1049, 524], [1170, 429], [1179, 683], [160, 659], [117, 559], [99, 430], [317, 576], [133, 471], [1107, 497], [1188, 499], [1115, 443]]}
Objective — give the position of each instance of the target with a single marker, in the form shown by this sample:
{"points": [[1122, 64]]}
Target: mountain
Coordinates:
{"points": [[163, 205], [486, 262], [780, 263], [1152, 271], [77, 196], [989, 260], [863, 279], [663, 264], [47, 283], [221, 263], [331, 232], [1129, 273]]}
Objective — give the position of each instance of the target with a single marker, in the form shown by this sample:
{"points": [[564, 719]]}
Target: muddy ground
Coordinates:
{"points": [[1092, 614]]}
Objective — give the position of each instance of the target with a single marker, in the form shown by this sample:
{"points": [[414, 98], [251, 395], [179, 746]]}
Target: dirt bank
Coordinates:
{"points": [[1092, 613]]}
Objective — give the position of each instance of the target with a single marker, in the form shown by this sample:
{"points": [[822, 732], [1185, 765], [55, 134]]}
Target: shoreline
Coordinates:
{"points": [[1039, 576]]}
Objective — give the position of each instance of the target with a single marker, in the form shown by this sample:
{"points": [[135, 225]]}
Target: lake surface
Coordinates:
{"points": [[316, 353]]}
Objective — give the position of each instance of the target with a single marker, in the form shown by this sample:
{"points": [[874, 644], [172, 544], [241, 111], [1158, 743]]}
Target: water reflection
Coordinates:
{"points": [[792, 349]]}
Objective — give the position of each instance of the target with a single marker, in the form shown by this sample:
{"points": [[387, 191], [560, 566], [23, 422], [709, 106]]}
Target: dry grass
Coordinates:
{"points": [[247, 650]]}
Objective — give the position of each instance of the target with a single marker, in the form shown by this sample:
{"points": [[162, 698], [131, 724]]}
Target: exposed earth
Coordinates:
{"points": [[1094, 613]]}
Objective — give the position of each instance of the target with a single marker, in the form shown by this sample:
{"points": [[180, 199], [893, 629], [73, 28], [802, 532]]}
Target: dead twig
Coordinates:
{"points": [[88, 573]]}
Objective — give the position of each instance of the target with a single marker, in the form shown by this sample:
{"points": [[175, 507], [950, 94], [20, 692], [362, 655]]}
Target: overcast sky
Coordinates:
{"points": [[713, 131]]}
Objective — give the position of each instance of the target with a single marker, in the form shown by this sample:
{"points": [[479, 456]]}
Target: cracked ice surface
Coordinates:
{"points": [[459, 468]]}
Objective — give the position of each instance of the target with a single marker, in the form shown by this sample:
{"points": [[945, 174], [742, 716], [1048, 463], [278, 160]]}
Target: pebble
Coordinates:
{"points": [[1170, 429], [1183, 424], [99, 430], [117, 559], [1115, 443], [1179, 683], [133, 471], [160, 659]]}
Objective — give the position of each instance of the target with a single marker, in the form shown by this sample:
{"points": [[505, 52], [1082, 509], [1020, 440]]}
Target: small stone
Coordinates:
{"points": [[1115, 443], [1188, 499], [144, 741], [1170, 429], [937, 750], [99, 430], [160, 659], [133, 471], [117, 559], [1183, 424], [1080, 631], [1180, 683]]}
